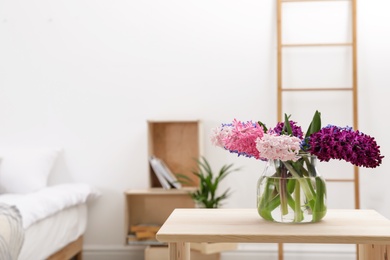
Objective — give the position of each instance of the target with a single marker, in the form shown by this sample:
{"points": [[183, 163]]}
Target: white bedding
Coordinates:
{"points": [[52, 217], [47, 236], [11, 232], [46, 202]]}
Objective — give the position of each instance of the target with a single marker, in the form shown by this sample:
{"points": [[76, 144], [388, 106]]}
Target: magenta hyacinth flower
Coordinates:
{"points": [[342, 143]]}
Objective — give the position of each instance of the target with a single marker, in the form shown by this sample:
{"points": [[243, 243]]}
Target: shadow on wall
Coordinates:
{"points": [[60, 172]]}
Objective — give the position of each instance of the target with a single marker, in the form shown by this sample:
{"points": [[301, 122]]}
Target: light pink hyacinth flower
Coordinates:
{"points": [[219, 134], [282, 147]]}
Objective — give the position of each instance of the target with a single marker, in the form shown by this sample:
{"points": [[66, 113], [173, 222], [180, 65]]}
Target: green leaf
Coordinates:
{"points": [[287, 125], [263, 126], [315, 124], [184, 179], [206, 194], [319, 209]]}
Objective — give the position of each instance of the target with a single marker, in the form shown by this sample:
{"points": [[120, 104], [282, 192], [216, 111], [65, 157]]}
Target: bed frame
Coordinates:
{"points": [[71, 251]]}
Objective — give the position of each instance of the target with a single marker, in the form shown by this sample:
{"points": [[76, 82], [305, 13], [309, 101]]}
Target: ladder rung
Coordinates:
{"points": [[339, 180], [317, 44], [317, 89], [285, 1]]}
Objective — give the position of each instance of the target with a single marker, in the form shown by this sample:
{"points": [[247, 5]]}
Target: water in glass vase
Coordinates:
{"points": [[291, 192]]}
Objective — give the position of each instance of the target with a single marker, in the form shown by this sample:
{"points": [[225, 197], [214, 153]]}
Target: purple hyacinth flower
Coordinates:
{"points": [[342, 143], [296, 130]]}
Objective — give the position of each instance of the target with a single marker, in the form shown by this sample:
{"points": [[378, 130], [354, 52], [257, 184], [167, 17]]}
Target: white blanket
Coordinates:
{"points": [[47, 201], [11, 232]]}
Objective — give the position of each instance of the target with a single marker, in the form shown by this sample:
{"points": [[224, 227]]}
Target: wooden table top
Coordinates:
{"points": [[350, 226]]}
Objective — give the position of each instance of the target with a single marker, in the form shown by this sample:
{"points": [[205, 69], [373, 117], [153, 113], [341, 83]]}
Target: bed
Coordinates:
{"points": [[53, 219], [40, 221]]}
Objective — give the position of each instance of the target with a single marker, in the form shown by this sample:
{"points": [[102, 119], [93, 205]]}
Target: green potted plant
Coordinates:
{"points": [[206, 195]]}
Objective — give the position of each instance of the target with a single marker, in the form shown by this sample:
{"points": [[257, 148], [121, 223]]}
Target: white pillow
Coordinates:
{"points": [[24, 170]]}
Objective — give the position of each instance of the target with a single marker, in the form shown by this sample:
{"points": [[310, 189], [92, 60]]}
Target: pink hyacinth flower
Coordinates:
{"points": [[282, 147], [242, 138]]}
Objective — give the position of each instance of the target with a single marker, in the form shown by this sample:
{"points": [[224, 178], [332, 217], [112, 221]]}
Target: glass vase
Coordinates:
{"points": [[292, 192]]}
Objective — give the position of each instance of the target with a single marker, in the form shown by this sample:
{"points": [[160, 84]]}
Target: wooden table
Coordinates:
{"points": [[367, 228]]}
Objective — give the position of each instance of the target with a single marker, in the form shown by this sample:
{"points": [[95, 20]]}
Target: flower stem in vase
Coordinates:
{"points": [[298, 214], [283, 191], [310, 166], [309, 191]]}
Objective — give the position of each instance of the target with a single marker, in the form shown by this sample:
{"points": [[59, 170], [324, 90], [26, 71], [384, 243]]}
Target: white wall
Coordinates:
{"points": [[87, 75]]}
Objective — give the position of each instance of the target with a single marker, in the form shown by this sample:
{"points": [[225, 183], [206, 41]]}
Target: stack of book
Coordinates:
{"points": [[166, 178], [142, 232]]}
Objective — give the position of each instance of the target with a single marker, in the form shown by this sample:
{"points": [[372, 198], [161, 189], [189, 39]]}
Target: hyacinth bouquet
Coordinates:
{"points": [[291, 189]]}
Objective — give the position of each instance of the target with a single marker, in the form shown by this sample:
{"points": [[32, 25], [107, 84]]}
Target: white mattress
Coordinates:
{"points": [[47, 236]]}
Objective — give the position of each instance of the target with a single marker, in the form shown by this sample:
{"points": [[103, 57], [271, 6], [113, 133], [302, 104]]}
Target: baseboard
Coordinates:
{"points": [[244, 252], [287, 255], [113, 252], [292, 252]]}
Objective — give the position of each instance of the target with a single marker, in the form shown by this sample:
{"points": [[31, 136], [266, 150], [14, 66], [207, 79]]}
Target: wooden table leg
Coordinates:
{"points": [[280, 251], [179, 251], [374, 252]]}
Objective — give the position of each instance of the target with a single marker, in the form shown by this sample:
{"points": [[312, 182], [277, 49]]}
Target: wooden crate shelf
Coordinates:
{"points": [[177, 144], [151, 207]]}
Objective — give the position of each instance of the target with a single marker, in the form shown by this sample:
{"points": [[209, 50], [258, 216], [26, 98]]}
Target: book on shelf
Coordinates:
{"points": [[171, 178], [157, 169], [143, 234], [145, 227], [166, 178], [133, 240]]}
